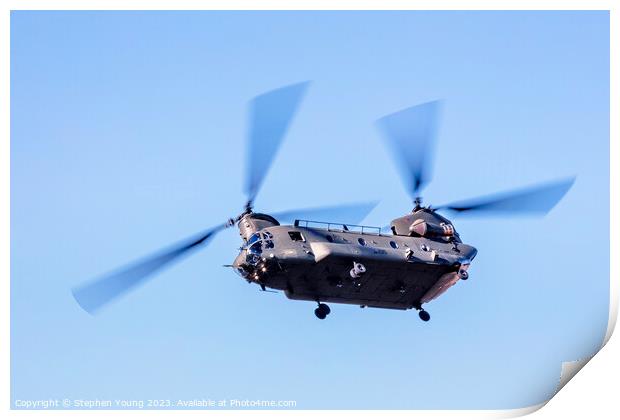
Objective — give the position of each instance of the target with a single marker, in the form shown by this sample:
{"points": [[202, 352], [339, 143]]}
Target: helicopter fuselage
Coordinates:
{"points": [[325, 262]]}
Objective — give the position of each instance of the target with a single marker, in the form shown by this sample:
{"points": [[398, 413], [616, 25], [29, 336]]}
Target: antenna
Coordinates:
{"points": [[418, 203]]}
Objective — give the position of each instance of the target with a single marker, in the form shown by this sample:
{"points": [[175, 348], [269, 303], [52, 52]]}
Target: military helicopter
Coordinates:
{"points": [[339, 262]]}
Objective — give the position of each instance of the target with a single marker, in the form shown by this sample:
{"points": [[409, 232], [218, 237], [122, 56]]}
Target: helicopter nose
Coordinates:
{"points": [[473, 253]]}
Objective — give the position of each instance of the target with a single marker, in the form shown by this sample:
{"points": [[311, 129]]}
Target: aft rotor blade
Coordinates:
{"points": [[93, 295], [270, 116], [534, 200], [346, 213], [411, 135]]}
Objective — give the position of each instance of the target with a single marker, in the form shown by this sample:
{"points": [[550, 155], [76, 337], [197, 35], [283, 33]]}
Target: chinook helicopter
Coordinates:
{"points": [[338, 262]]}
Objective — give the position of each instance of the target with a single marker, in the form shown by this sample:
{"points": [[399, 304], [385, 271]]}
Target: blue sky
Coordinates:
{"points": [[128, 133]]}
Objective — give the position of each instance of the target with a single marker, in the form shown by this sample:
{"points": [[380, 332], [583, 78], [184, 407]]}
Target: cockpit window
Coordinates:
{"points": [[252, 259], [255, 237], [256, 248]]}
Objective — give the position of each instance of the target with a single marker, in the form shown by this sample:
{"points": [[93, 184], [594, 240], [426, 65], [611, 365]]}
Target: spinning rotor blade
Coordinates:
{"points": [[534, 200], [346, 213], [92, 296], [270, 116], [411, 133]]}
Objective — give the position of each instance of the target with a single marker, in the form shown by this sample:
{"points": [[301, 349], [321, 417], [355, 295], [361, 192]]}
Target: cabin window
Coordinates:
{"points": [[296, 236], [361, 241], [393, 244]]}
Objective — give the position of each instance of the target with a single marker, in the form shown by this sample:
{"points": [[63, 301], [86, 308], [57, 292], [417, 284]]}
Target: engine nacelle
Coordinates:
{"points": [[427, 223], [421, 227]]}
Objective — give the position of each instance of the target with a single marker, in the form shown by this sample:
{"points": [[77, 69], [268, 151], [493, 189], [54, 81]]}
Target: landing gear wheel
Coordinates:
{"points": [[322, 311], [424, 316], [323, 307], [320, 314], [463, 275]]}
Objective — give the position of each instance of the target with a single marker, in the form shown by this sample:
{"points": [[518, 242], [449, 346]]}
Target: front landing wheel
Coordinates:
{"points": [[424, 316]]}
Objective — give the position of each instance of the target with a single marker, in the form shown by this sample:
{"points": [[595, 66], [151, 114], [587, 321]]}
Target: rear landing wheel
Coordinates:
{"points": [[424, 316], [323, 307], [322, 311], [320, 314]]}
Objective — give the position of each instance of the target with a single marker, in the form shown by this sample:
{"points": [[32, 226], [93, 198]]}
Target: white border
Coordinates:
{"points": [[598, 383]]}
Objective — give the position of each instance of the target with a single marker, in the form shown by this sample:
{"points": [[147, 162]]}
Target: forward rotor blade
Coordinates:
{"points": [[270, 117], [92, 296], [410, 135], [534, 200], [346, 213]]}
